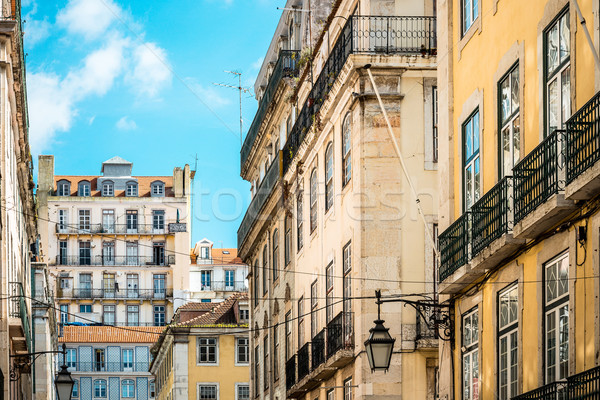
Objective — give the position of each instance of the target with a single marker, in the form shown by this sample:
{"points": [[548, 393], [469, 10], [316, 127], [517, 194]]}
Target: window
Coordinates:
{"points": [[288, 241], [75, 392], [72, 358], [158, 284], [108, 315], [84, 220], [266, 361], [434, 120], [131, 249], [157, 189], [159, 316], [242, 357], [244, 314], [256, 370], [329, 292], [346, 150], [265, 260], [108, 258], [83, 189], [64, 313], [158, 220], [299, 219], [256, 281], [100, 388], [85, 308], [207, 392], [229, 279], [108, 221], [108, 189], [63, 188], [470, 355], [131, 217], [470, 12], [85, 253], [508, 302], [85, 285], [204, 253], [557, 42], [127, 359], [510, 127], [348, 389], [131, 189], [205, 280], [314, 303], [275, 255], [329, 177], [158, 253], [152, 388], [276, 352], [288, 335], [133, 286], [313, 200], [62, 252], [133, 315], [471, 160], [63, 221], [331, 394], [347, 290], [301, 322], [243, 392], [207, 351], [65, 283], [556, 307]]}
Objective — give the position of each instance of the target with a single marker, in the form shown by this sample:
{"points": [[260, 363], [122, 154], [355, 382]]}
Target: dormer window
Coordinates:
{"points": [[157, 189], [132, 189], [108, 189], [63, 188], [84, 189], [204, 253]]}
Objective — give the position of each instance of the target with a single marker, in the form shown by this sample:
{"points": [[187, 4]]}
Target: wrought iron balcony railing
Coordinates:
{"points": [[110, 229], [585, 385], [552, 391], [286, 67], [258, 201], [224, 286], [104, 366], [150, 294], [303, 361], [116, 260], [290, 372], [336, 339], [18, 309], [491, 215], [318, 349], [454, 246], [583, 139], [536, 176]]}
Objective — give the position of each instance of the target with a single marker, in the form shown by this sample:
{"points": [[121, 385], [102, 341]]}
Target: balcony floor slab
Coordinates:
{"points": [[544, 217], [586, 186], [494, 253]]}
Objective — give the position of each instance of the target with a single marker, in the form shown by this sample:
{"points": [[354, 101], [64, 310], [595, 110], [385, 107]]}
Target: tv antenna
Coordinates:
{"points": [[241, 90]]}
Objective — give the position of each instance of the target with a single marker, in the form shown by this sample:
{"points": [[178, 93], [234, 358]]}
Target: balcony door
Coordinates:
{"points": [[133, 290], [159, 286], [108, 285], [229, 279], [85, 285], [206, 280], [132, 221], [108, 253], [108, 221], [132, 253], [158, 253], [99, 360]]}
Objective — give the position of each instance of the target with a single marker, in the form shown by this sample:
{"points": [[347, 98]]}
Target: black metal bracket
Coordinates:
{"points": [[435, 315]]}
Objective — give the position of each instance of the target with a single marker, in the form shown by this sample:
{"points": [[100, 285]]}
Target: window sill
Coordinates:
{"points": [[475, 27]]}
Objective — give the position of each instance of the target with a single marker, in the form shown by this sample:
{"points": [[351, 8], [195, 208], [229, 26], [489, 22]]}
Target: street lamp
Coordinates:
{"points": [[380, 345], [63, 381]]}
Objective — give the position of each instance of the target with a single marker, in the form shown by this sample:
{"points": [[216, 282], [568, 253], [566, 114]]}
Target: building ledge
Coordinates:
{"points": [[586, 185], [544, 217]]}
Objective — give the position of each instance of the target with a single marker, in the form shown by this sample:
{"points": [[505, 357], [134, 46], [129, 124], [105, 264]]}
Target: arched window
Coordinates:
{"points": [[275, 255], [127, 388], [132, 189], [100, 388], [346, 151], [63, 188], [313, 200], [108, 189], [256, 281], [84, 189], [328, 177], [265, 271], [157, 189]]}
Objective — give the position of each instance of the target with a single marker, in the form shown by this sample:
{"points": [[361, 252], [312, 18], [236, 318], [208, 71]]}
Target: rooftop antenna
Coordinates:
{"points": [[241, 90]]}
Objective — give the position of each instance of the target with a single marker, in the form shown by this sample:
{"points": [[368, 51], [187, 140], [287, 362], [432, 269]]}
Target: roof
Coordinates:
{"points": [[220, 314], [117, 160], [193, 306], [144, 183], [225, 256], [110, 334]]}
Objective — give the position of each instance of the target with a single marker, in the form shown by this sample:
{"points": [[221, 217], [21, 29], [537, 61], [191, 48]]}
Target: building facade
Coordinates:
{"points": [[332, 217], [117, 245], [518, 191], [204, 353]]}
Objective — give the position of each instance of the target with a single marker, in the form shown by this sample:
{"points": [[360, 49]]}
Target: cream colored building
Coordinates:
{"points": [[332, 217]]}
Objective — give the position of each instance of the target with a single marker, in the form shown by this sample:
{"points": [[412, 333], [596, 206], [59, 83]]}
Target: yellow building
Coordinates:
{"points": [[204, 354], [519, 145]]}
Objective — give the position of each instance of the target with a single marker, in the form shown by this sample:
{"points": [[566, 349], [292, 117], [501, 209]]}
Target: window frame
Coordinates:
{"points": [[239, 385], [473, 161], [266, 354], [132, 312], [329, 283], [256, 287], [102, 387], [265, 266], [300, 322], [329, 172], [287, 241], [474, 15], [157, 189], [199, 346], [347, 289], [108, 189], [507, 332], [313, 201], [299, 219], [208, 384], [470, 351], [347, 149], [238, 353], [348, 395], [63, 188], [81, 189], [508, 123], [275, 251], [131, 189], [131, 384], [314, 308]]}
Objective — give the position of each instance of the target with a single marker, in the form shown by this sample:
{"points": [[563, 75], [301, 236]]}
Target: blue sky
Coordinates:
{"points": [[135, 79]]}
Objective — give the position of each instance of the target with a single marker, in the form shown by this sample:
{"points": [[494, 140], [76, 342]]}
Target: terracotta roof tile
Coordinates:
{"points": [[220, 257], [110, 334], [144, 183], [198, 306], [215, 316]]}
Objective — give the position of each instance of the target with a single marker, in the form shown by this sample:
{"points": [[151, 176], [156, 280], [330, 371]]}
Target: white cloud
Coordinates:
{"points": [[89, 18], [126, 124], [258, 63], [91, 120], [209, 95], [150, 72], [36, 31]]}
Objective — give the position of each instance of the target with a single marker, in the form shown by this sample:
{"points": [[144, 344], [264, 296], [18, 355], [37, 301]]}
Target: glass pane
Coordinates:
{"points": [[475, 326], [565, 94], [505, 98], [551, 283], [516, 125], [565, 43], [513, 364], [476, 133], [514, 89], [469, 139], [563, 352], [563, 271], [477, 182], [513, 299], [504, 310], [466, 14], [506, 156], [552, 50], [550, 346], [467, 377], [553, 104], [469, 186]]}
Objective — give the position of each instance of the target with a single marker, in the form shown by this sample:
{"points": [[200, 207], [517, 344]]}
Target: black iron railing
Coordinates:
{"points": [[491, 215], [454, 246], [290, 372], [552, 391], [94, 366], [318, 349], [585, 385], [303, 361], [286, 67], [336, 340], [18, 309], [79, 293], [583, 139], [109, 229], [224, 286], [116, 260], [259, 200], [424, 331], [536, 177]]}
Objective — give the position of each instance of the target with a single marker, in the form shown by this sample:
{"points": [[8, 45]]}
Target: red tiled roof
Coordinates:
{"points": [[110, 334], [144, 183], [220, 256], [215, 316], [193, 306]]}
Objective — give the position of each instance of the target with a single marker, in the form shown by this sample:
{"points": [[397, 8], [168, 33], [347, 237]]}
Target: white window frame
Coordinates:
{"points": [[105, 389], [84, 189], [314, 218], [108, 189], [556, 74], [200, 384], [329, 167], [237, 389], [63, 220], [346, 150], [469, 14], [300, 219], [472, 162], [509, 121], [131, 189], [508, 356], [553, 307], [470, 354], [63, 188], [123, 386], [199, 344], [329, 283], [348, 395], [158, 189], [237, 352]]}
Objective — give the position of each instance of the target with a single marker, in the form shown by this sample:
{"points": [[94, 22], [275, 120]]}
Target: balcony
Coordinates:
{"points": [[585, 385], [286, 67], [332, 348], [102, 366], [19, 319], [224, 286], [263, 193], [118, 261], [120, 229], [290, 372], [134, 294]]}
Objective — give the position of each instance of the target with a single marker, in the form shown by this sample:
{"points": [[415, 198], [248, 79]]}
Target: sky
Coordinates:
{"points": [[136, 78]]}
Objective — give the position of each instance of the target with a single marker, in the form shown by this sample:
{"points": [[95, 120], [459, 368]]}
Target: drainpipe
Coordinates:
{"points": [[587, 34]]}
